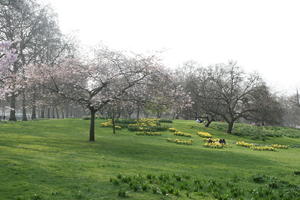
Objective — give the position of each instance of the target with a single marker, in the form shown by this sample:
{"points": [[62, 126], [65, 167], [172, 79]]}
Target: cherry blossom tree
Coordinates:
{"points": [[95, 82], [7, 57], [167, 94]]}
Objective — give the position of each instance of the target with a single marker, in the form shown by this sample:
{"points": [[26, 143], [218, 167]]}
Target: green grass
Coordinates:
{"points": [[52, 159]]}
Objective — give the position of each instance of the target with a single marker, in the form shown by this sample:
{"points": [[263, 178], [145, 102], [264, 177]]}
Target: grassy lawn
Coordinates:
{"points": [[52, 159]]}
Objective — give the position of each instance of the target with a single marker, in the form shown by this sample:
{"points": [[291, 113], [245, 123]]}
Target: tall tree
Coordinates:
{"points": [[7, 59], [31, 27], [95, 83]]}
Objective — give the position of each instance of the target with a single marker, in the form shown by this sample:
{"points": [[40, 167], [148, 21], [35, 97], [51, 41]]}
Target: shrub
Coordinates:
{"points": [[258, 132], [297, 172], [125, 121], [165, 121], [122, 193], [86, 118]]}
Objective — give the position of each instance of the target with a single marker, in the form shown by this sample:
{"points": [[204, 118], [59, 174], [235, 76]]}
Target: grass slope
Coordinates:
{"points": [[52, 159]]}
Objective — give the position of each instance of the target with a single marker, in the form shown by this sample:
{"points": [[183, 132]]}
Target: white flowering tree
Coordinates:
{"points": [[7, 58], [167, 94], [94, 83]]}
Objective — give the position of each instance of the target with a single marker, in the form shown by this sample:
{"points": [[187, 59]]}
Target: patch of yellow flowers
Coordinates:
{"points": [[244, 144], [272, 147], [279, 146], [179, 133], [204, 134], [263, 148], [212, 139], [107, 123], [179, 141], [172, 129], [215, 145], [145, 122], [149, 133]]}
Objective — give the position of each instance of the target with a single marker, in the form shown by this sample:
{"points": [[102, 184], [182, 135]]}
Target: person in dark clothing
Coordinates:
{"points": [[222, 141]]}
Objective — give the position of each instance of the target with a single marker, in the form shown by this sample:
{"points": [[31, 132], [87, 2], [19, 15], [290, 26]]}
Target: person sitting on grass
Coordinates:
{"points": [[199, 120], [222, 141]]}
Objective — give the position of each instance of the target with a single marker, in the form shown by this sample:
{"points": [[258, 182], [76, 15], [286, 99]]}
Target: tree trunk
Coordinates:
{"points": [[118, 115], [33, 113], [57, 113], [48, 113], [62, 113], [12, 115], [92, 125], [24, 115], [129, 115], [67, 111], [208, 123], [230, 127], [43, 112], [138, 113], [3, 112], [158, 114], [53, 112], [113, 122]]}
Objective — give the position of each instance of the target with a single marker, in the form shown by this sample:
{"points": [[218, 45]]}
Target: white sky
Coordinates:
{"points": [[262, 35]]}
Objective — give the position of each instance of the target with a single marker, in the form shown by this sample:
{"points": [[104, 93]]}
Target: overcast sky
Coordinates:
{"points": [[261, 35]]}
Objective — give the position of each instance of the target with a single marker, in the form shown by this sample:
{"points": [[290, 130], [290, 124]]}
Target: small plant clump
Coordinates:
{"points": [[297, 172], [165, 121]]}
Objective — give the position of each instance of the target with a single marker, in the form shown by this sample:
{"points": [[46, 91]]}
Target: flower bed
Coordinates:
{"points": [[179, 133], [211, 139], [263, 148], [215, 145], [244, 144], [204, 134], [107, 123], [149, 125], [172, 129], [279, 146], [179, 141], [149, 134]]}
